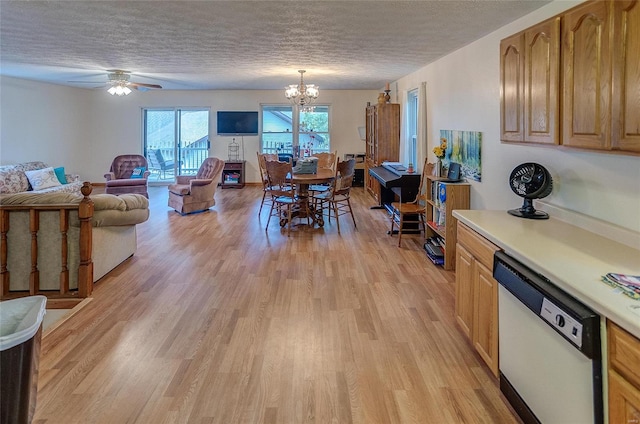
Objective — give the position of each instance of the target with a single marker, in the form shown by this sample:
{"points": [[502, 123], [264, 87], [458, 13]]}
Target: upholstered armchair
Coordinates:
{"points": [[128, 174], [195, 193]]}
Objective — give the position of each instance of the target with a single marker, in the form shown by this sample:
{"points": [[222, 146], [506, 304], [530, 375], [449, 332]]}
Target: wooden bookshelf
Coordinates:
{"points": [[440, 221]]}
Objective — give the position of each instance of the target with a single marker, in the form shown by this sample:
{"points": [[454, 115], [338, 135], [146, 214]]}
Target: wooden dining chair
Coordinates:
{"points": [[338, 197], [326, 160], [262, 159], [412, 212], [283, 194]]}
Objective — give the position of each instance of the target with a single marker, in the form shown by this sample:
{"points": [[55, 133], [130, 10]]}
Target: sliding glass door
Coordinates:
{"points": [[176, 141]]}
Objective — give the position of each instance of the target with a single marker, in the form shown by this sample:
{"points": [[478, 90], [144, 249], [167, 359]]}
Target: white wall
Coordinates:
{"points": [[116, 121], [43, 122], [463, 93], [84, 129]]}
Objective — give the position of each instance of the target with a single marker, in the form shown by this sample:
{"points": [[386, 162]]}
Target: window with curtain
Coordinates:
{"points": [[285, 127], [412, 126]]}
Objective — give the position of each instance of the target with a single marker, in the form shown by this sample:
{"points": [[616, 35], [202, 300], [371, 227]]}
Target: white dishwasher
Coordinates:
{"points": [[550, 354]]}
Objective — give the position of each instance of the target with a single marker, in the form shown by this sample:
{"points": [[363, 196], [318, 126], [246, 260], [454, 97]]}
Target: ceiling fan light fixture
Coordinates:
{"points": [[119, 89], [119, 83]]}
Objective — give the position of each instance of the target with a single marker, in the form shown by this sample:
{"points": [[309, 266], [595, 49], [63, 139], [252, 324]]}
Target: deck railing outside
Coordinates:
{"points": [[191, 157]]}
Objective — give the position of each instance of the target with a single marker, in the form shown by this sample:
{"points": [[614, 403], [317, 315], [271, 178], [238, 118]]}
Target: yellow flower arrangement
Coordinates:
{"points": [[440, 150]]}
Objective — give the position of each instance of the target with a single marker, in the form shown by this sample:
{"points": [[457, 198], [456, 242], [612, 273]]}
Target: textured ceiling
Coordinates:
{"points": [[240, 44]]}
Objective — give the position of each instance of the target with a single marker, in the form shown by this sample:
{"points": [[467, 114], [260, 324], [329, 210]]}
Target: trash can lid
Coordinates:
{"points": [[20, 320]]}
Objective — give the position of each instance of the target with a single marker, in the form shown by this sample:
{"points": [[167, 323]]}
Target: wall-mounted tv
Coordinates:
{"points": [[237, 123]]}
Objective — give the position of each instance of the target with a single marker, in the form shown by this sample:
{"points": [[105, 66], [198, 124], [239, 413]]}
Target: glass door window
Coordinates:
{"points": [[176, 141]]}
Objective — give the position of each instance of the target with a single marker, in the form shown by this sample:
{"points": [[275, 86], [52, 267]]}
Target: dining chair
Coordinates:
{"points": [[262, 160], [412, 212], [338, 196], [326, 160], [283, 194]]}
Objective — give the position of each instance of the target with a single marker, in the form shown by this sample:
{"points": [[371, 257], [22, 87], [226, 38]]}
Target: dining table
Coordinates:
{"points": [[302, 183]]}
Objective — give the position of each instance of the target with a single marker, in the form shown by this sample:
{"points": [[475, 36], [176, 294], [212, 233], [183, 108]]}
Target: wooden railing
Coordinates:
{"points": [[64, 297]]}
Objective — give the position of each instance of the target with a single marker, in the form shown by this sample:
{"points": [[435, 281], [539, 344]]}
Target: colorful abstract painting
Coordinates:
{"points": [[463, 147]]}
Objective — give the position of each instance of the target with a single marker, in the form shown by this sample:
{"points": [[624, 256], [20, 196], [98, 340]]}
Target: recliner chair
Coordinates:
{"points": [[119, 179], [194, 193]]}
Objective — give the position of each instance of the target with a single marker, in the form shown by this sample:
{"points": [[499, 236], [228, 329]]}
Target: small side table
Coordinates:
{"points": [[233, 174]]}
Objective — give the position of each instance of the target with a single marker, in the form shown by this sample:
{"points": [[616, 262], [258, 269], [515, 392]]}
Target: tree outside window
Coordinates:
{"points": [[285, 128]]}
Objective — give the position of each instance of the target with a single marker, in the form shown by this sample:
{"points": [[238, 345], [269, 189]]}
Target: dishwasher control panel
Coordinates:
{"points": [[562, 322]]}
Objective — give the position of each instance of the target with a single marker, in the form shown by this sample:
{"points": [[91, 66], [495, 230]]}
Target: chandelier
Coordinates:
{"points": [[119, 84], [302, 94]]}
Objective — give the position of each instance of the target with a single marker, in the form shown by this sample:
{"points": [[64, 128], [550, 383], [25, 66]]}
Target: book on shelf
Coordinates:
{"points": [[435, 226], [434, 251], [436, 241], [437, 260], [232, 178]]}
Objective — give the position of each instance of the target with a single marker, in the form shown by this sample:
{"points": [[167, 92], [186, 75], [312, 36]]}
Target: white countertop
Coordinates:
{"points": [[572, 258]]}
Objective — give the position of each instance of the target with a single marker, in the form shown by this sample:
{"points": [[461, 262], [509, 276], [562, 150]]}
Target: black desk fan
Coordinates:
{"points": [[530, 181]]}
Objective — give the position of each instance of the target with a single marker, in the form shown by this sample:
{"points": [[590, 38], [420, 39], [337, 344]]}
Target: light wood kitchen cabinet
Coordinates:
{"points": [[382, 141], [464, 290], [601, 81], [485, 315], [511, 88], [625, 108], [624, 375], [586, 53], [598, 45], [476, 302], [529, 84]]}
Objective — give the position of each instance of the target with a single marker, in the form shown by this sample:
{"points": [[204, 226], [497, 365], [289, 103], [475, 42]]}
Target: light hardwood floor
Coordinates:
{"points": [[214, 320]]}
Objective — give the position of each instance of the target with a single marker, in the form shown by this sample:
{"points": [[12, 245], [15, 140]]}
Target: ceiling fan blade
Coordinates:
{"points": [[139, 84]]}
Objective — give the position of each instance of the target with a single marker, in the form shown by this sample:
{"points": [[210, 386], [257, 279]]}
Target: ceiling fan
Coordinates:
{"points": [[119, 83]]}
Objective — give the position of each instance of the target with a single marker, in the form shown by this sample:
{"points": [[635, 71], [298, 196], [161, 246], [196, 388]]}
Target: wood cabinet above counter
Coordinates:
{"points": [[572, 258], [594, 103]]}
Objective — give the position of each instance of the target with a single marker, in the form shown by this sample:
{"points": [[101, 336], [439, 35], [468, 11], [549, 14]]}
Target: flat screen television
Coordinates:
{"points": [[237, 123]]}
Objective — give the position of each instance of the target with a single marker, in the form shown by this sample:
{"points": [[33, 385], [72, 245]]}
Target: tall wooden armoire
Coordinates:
{"points": [[383, 141]]}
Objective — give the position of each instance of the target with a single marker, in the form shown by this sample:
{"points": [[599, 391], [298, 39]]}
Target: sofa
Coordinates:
{"points": [[111, 234], [14, 179]]}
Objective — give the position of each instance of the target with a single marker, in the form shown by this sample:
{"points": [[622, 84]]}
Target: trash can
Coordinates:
{"points": [[20, 334]]}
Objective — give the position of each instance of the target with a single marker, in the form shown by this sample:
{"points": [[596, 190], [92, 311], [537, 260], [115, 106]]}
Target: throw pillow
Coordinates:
{"points": [[42, 178], [60, 174], [138, 172]]}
